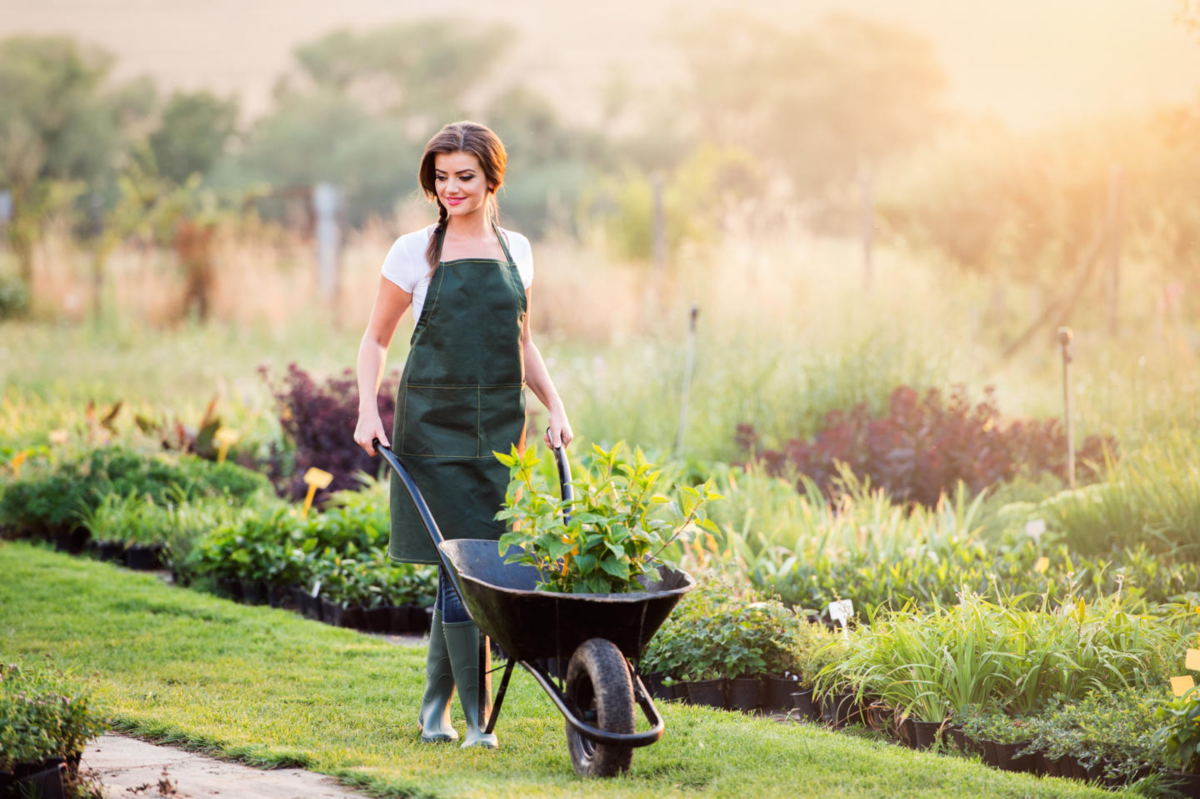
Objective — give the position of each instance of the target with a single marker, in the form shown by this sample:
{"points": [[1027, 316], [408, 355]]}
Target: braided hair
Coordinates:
{"points": [[469, 137]]}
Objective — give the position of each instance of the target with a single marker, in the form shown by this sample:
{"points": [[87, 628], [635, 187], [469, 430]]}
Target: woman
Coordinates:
{"points": [[462, 394]]}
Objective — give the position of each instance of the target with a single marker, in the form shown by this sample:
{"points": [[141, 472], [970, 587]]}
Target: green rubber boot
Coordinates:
{"points": [[434, 718], [470, 661]]}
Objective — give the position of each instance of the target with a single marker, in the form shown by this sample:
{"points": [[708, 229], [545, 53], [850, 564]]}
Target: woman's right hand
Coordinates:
{"points": [[369, 428]]}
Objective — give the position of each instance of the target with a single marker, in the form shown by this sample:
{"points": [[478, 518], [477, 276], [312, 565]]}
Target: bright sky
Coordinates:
{"points": [[1030, 62]]}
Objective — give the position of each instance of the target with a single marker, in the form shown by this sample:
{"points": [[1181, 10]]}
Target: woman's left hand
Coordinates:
{"points": [[560, 429]]}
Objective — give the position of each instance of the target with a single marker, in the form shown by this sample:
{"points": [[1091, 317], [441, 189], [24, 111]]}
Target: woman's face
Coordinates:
{"points": [[460, 182]]}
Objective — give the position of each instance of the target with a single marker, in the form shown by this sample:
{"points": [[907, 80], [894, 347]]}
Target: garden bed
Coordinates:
{"points": [[279, 691]]}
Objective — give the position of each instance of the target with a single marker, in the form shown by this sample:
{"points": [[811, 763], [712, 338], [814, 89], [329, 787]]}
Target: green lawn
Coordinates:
{"points": [[267, 687]]}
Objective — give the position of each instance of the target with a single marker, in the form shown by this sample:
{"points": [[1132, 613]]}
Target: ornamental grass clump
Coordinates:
{"points": [[609, 538], [934, 665]]}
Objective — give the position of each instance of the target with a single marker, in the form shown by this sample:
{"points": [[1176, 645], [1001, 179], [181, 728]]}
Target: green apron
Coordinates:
{"points": [[461, 396]]}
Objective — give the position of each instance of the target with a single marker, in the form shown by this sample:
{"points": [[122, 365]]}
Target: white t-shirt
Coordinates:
{"points": [[405, 264]]}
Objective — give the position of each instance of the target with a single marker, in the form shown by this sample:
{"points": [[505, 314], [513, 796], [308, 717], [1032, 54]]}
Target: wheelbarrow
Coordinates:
{"points": [[598, 636]]}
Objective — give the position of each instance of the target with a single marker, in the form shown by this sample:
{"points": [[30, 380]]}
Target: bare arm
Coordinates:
{"points": [[537, 378], [390, 304]]}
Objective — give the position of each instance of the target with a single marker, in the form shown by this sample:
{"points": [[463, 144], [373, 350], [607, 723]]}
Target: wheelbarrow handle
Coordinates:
{"points": [[566, 490], [427, 519]]}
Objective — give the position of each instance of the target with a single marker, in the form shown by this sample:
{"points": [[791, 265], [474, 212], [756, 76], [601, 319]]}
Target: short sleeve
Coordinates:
{"points": [[522, 253], [401, 267]]}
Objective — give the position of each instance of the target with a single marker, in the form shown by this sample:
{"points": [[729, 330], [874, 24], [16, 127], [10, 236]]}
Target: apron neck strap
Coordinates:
{"points": [[503, 245]]}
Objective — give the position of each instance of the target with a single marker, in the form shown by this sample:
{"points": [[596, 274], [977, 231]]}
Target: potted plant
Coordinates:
{"points": [[620, 522], [838, 698], [47, 722], [1005, 739], [1180, 742], [815, 648]]}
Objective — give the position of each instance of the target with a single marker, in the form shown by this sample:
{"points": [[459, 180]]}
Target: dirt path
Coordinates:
{"points": [[127, 767]]}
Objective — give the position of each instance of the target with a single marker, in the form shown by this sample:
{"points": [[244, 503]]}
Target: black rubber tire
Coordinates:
{"points": [[598, 682]]}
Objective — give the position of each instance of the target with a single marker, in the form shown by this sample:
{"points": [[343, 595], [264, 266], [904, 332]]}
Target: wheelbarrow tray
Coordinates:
{"points": [[530, 624]]}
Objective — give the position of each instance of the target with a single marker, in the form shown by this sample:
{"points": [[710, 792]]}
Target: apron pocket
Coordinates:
{"points": [[501, 418], [441, 421]]}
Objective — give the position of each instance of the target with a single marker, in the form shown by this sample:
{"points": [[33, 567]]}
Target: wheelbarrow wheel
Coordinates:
{"points": [[598, 684]]}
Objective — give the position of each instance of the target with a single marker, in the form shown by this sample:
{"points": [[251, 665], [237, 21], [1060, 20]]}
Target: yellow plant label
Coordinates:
{"points": [[318, 477], [1181, 685], [58, 437], [1192, 661], [1042, 564], [224, 437]]}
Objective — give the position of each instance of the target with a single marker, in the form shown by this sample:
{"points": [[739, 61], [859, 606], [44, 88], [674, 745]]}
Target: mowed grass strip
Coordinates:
{"points": [[268, 688]]}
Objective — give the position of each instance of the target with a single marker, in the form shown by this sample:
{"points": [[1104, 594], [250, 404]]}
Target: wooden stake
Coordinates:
{"points": [[687, 379], [660, 226], [866, 189], [1115, 201], [1064, 338]]}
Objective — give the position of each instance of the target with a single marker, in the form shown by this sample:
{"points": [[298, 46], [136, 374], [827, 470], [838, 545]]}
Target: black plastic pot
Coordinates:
{"points": [[777, 692], [253, 592], [73, 542], [42, 780], [332, 612], [1088, 773], [926, 733], [1011, 761], [959, 739], [398, 620], [354, 616], [1055, 766], [708, 692], [231, 588], [278, 596], [990, 756], [803, 701], [107, 550], [314, 607], [653, 680], [378, 620], [878, 717], [1185, 783], [906, 733], [143, 557], [745, 694], [298, 597], [839, 710], [420, 619]]}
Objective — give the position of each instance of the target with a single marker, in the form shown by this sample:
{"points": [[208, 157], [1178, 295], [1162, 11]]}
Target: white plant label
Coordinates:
{"points": [[841, 611], [1035, 528]]}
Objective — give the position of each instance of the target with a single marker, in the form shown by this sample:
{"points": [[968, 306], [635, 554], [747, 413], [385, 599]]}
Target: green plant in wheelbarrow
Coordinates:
{"points": [[608, 538]]}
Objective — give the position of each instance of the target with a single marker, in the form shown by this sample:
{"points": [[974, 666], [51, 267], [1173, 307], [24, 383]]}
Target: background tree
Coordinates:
{"points": [[820, 102], [62, 129], [192, 134]]}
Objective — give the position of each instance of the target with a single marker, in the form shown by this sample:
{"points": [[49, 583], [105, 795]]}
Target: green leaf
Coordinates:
{"points": [[558, 549], [617, 568]]}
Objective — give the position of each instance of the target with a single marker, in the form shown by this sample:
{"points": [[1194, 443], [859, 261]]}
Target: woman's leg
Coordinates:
{"points": [[470, 659], [434, 716]]}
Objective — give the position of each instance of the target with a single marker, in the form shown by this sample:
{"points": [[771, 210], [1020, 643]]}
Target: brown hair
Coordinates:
{"points": [[470, 137]]}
